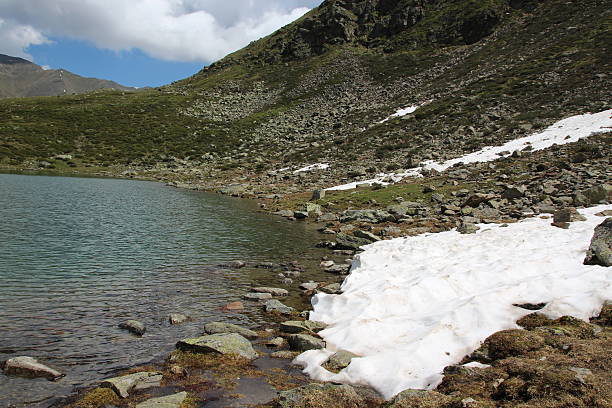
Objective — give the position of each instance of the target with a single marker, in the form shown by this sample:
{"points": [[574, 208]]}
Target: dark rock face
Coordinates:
{"points": [[600, 251]]}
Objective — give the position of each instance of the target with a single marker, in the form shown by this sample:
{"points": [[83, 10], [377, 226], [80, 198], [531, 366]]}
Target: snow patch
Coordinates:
{"points": [[400, 113], [312, 167], [566, 131], [412, 306]]}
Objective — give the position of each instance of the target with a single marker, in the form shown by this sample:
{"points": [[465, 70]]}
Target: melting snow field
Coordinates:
{"points": [[568, 130], [312, 167], [400, 113], [412, 306]]}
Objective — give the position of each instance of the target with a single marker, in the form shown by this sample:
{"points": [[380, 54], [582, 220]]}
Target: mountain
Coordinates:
{"points": [[21, 78], [317, 91]]}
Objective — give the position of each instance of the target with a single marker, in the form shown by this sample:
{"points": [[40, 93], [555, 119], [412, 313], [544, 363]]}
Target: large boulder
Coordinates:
{"points": [[222, 343], [600, 250], [304, 342], [298, 326], [339, 361], [169, 401], [30, 368], [124, 385], [371, 216], [220, 327], [275, 306], [420, 399]]}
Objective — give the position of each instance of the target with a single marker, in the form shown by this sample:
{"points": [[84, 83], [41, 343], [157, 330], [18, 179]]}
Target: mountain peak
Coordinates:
{"points": [[8, 60]]}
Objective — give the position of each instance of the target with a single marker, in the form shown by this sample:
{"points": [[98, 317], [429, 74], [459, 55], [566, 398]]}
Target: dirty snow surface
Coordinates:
{"points": [[566, 131], [400, 113], [412, 306], [312, 167]]}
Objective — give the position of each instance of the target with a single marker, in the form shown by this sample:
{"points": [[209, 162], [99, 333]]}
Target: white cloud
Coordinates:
{"points": [[178, 30]]}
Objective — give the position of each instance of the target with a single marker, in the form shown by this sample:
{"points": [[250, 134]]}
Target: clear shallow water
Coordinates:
{"points": [[78, 256]]}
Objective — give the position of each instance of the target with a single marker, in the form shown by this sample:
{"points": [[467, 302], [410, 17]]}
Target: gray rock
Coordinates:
{"points": [[274, 306], [177, 318], [272, 291], [30, 368], [371, 216], [124, 385], [284, 213], [341, 269], [133, 326], [223, 343], [332, 288], [600, 250], [419, 399], [598, 194], [309, 285], [313, 210], [339, 361], [513, 193], [305, 342], [345, 241], [234, 190], [169, 401], [257, 296], [366, 235], [298, 326], [275, 342], [329, 217], [407, 208], [317, 195], [300, 215], [220, 327], [467, 228], [476, 199]]}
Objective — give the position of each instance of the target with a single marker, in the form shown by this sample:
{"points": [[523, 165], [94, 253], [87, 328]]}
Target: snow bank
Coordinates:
{"points": [[568, 130], [312, 167], [400, 113], [412, 306]]}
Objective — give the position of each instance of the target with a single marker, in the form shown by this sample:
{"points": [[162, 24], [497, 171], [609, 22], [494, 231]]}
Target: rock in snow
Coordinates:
{"points": [[600, 250], [413, 306]]}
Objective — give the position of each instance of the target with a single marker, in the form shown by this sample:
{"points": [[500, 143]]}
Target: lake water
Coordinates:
{"points": [[80, 255]]}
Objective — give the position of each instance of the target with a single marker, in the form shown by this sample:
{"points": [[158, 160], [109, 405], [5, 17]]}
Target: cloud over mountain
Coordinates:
{"points": [[176, 30]]}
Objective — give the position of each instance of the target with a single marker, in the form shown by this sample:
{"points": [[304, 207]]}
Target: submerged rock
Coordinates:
{"points": [[124, 385], [30, 368], [219, 327], [133, 326], [223, 343], [177, 318], [272, 291], [169, 401], [600, 250], [275, 306], [257, 296]]}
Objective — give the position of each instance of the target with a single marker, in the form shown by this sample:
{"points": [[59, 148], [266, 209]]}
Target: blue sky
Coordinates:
{"points": [[138, 42]]}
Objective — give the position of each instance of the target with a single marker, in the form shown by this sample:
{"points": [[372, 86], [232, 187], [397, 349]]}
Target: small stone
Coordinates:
{"points": [[332, 289], [317, 195], [340, 269], [298, 326], [309, 285], [275, 342], [30, 368], [133, 326], [339, 361], [177, 318]]}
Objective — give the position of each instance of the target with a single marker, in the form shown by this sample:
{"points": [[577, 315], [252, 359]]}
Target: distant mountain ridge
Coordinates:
{"points": [[22, 78]]}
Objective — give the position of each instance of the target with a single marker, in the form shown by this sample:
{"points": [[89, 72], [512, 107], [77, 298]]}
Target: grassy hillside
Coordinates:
{"points": [[485, 72]]}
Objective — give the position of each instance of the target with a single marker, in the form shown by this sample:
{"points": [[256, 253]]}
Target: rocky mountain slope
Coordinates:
{"points": [[21, 78], [315, 91]]}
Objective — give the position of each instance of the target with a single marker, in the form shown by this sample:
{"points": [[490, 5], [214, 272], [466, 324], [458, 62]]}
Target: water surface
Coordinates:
{"points": [[78, 256]]}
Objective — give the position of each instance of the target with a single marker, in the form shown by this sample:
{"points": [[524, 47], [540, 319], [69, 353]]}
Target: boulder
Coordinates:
{"points": [[133, 326], [340, 269], [169, 401], [298, 326], [327, 395], [312, 209], [309, 285], [317, 195], [370, 216], [419, 399], [223, 343], [220, 327], [600, 250], [598, 194], [124, 385], [476, 199], [366, 235], [345, 241], [274, 306], [234, 190], [304, 342], [30, 368], [407, 208], [339, 361]]}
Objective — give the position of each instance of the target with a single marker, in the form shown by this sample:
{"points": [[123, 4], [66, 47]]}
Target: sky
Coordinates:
{"points": [[138, 42]]}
